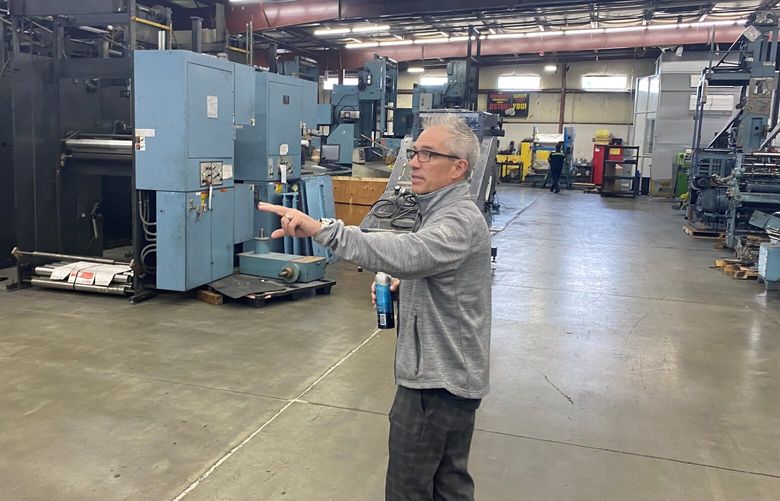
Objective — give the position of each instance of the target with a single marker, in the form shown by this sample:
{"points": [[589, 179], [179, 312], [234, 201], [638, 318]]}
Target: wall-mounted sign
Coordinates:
{"points": [[509, 104]]}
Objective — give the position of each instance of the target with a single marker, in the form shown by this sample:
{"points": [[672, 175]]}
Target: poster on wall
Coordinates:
{"points": [[510, 104]]}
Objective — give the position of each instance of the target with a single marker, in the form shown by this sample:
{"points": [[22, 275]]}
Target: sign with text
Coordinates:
{"points": [[511, 104]]}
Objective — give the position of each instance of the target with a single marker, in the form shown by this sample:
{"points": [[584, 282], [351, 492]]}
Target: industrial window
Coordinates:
{"points": [[519, 82], [433, 80], [614, 83], [328, 83]]}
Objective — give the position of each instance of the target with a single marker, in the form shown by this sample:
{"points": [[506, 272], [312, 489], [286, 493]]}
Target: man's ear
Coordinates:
{"points": [[459, 168]]}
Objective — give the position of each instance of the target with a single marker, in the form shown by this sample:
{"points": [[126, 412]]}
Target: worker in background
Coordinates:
{"points": [[444, 315], [556, 161]]}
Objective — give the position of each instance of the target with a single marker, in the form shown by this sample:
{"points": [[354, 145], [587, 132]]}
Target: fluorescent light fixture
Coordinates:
{"points": [[519, 82], [460, 39], [433, 80], [332, 31], [396, 42], [587, 31], [507, 35], [369, 29], [362, 45], [415, 69], [612, 83], [423, 41], [551, 68]]}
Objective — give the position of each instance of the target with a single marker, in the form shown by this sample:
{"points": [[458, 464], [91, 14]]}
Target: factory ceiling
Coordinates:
{"points": [[413, 30]]}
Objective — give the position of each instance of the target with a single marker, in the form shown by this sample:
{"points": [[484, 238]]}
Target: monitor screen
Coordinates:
{"points": [[330, 153]]}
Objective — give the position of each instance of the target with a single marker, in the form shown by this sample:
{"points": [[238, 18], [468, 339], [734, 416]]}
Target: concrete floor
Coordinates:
{"points": [[623, 368]]}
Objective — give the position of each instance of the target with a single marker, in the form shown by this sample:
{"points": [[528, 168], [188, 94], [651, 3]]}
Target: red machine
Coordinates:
{"points": [[601, 153]]}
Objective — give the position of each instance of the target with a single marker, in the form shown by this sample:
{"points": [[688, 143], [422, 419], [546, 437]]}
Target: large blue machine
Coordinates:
{"points": [[186, 107], [268, 169]]}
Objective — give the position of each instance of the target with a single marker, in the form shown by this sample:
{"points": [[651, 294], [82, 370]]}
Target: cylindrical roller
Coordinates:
{"points": [[763, 188], [100, 145], [120, 278], [115, 290]]}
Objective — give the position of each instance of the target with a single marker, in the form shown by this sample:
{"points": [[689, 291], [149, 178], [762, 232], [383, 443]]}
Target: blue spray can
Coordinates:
{"points": [[384, 301]]}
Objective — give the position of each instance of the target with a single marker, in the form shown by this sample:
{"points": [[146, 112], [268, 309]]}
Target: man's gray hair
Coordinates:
{"points": [[462, 142]]}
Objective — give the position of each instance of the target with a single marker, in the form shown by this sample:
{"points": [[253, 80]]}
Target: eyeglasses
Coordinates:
{"points": [[424, 156]]}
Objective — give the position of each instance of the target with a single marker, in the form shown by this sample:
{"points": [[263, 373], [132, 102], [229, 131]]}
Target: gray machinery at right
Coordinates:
{"points": [[735, 174]]}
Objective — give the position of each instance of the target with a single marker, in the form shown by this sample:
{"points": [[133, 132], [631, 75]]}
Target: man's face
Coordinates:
{"points": [[439, 171]]}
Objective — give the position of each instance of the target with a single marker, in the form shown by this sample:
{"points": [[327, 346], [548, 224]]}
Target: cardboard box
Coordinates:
{"points": [[352, 215], [358, 190]]}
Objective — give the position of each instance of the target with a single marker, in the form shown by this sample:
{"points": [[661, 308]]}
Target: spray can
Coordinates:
{"points": [[384, 301]]}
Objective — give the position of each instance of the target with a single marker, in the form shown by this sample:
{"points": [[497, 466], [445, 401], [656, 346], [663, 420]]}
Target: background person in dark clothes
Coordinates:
{"points": [[442, 361], [556, 161]]}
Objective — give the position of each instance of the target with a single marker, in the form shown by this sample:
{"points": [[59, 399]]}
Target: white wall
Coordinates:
{"points": [[585, 111]]}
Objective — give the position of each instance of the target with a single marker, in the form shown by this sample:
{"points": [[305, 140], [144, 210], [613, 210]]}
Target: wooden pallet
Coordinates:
{"points": [[736, 270], [291, 292], [694, 232], [294, 292]]}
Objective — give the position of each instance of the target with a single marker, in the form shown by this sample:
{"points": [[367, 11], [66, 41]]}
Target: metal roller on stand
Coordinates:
{"points": [[64, 272]]}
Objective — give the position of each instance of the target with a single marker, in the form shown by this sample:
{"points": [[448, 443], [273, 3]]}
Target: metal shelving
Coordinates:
{"points": [[621, 177]]}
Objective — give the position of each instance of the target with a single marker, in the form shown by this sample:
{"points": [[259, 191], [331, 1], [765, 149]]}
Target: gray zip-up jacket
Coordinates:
{"points": [[445, 297]]}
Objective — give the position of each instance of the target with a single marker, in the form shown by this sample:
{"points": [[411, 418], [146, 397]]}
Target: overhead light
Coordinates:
{"points": [[361, 45], [460, 39], [506, 35], [423, 41], [368, 29], [396, 42], [546, 34], [551, 68], [416, 69], [332, 31]]}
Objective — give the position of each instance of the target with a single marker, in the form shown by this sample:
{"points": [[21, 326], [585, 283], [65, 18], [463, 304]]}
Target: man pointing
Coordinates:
{"points": [[444, 315]]}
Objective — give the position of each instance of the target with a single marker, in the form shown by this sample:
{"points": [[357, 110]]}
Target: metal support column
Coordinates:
{"points": [[562, 111], [197, 34]]}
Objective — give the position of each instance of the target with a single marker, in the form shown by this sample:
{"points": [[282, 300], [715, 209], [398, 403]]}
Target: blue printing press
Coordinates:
{"points": [[213, 138]]}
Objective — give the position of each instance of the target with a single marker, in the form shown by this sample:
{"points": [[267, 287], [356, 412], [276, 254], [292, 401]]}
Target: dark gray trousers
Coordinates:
{"points": [[429, 443]]}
